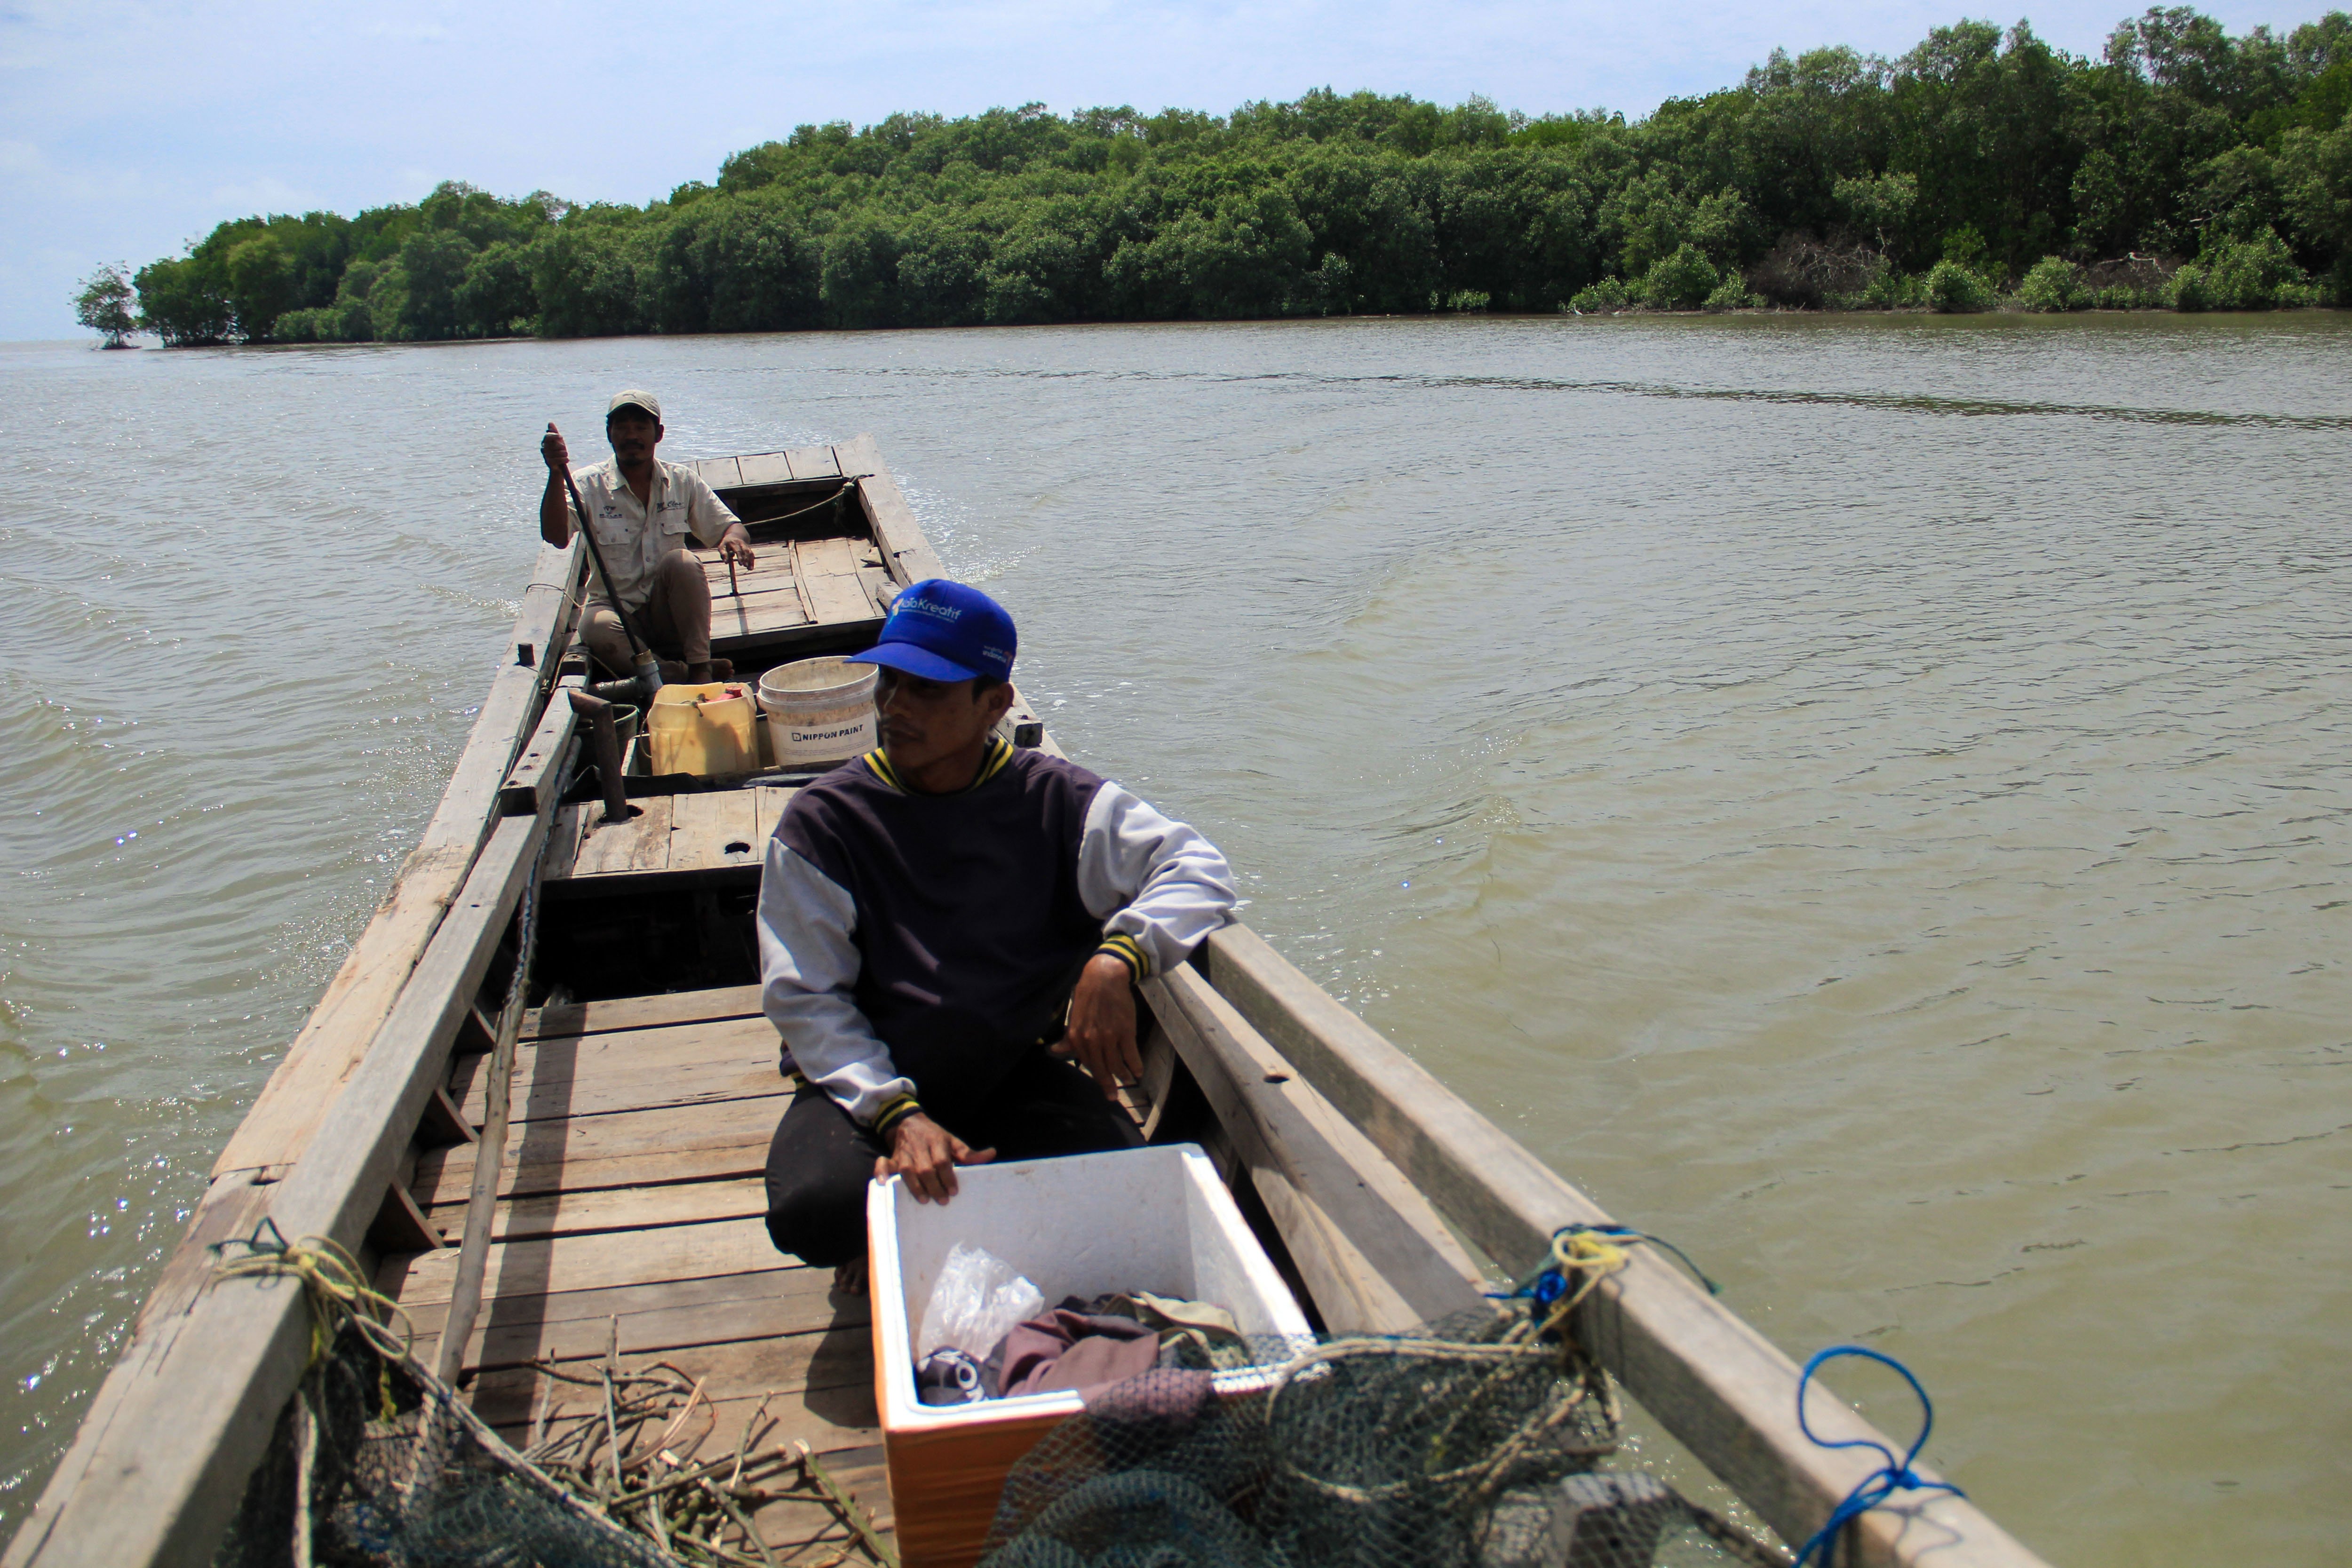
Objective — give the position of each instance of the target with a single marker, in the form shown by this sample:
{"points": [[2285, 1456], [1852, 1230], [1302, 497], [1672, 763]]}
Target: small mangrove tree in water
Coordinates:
{"points": [[2183, 167], [106, 305]]}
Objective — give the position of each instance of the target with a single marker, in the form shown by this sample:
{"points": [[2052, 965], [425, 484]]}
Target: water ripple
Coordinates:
{"points": [[1861, 797]]}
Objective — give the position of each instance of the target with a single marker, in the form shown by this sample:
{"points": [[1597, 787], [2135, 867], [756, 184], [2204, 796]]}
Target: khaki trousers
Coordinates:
{"points": [[676, 617]]}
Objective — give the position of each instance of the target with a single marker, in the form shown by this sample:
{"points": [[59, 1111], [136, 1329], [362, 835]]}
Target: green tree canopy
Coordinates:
{"points": [[107, 304], [1820, 177]]}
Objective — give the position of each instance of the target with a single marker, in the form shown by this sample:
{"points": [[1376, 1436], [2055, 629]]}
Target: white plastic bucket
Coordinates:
{"points": [[819, 711]]}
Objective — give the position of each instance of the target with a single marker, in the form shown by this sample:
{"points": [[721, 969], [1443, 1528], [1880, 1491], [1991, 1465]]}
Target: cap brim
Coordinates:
{"points": [[914, 660]]}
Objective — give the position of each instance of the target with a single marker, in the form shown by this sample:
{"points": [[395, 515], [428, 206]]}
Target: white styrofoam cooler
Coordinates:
{"points": [[1148, 1219], [1154, 1219]]}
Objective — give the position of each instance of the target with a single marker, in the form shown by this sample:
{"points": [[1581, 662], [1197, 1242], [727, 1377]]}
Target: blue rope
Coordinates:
{"points": [[1890, 1478], [1544, 1287], [1627, 1233]]}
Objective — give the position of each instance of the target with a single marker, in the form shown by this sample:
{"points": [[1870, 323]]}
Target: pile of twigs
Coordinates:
{"points": [[635, 1455]]}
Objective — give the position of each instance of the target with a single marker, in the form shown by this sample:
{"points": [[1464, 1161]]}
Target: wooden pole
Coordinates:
{"points": [[489, 1153]]}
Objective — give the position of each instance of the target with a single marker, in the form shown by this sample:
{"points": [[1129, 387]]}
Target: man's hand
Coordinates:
{"points": [[735, 544], [926, 1154], [1102, 1025], [557, 455]]}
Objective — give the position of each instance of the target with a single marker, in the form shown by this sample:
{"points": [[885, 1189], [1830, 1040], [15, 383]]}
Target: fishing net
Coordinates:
{"points": [[1481, 1439], [375, 1462]]}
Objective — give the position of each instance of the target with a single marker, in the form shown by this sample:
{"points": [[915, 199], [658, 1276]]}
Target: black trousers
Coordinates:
{"points": [[820, 1161]]}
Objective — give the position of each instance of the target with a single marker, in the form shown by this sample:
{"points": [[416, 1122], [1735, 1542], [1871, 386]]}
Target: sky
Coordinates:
{"points": [[129, 129]]}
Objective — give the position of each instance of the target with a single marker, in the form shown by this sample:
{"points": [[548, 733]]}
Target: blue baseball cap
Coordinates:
{"points": [[945, 631]]}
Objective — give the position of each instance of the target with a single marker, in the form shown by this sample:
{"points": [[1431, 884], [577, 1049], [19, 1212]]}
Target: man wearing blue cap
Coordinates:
{"points": [[944, 924]]}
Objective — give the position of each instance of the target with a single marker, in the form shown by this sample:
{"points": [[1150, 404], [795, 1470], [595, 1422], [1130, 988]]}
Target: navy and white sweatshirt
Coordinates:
{"points": [[913, 946]]}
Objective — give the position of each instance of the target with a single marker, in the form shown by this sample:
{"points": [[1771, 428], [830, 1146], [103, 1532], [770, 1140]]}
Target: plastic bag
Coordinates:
{"points": [[977, 1301]]}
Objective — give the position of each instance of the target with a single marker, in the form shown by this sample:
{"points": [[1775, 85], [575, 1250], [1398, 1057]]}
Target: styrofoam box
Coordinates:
{"points": [[1154, 1219]]}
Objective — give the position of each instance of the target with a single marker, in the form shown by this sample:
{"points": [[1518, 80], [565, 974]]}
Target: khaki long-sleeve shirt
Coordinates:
{"points": [[678, 506]]}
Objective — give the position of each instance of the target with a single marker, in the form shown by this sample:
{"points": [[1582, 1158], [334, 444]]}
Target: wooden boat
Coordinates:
{"points": [[627, 1192]]}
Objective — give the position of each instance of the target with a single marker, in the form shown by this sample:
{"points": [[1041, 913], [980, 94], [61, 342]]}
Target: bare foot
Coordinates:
{"points": [[850, 1279]]}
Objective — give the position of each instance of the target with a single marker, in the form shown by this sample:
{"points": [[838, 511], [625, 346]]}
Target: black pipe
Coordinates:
{"points": [[604, 742]]}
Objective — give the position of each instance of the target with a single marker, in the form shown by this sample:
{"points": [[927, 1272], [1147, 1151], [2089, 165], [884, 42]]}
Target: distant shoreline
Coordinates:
{"points": [[2183, 169], [2005, 311]]}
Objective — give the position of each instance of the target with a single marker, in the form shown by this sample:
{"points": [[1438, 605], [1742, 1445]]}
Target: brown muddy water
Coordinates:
{"points": [[1867, 798]]}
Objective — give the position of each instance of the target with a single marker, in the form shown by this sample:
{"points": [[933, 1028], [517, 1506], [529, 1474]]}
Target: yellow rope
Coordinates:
{"points": [[1587, 1253], [331, 1279]]}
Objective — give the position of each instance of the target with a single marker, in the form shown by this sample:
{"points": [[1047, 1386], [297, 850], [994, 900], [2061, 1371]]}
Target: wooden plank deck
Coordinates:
{"points": [[708, 831], [793, 585], [630, 1216], [765, 468]]}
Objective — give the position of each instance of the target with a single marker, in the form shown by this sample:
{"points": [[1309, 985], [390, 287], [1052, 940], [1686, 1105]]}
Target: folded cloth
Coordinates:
{"points": [[948, 1377], [1067, 1348], [1194, 1334], [1098, 1362]]}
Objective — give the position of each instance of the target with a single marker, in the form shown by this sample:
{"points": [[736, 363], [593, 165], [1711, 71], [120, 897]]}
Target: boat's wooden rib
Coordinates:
{"points": [[629, 1194]]}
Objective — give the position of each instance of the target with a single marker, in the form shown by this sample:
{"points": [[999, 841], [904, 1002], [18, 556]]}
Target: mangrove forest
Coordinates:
{"points": [[2181, 168]]}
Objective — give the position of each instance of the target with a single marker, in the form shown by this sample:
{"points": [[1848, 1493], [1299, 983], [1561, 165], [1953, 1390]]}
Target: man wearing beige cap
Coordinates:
{"points": [[643, 509]]}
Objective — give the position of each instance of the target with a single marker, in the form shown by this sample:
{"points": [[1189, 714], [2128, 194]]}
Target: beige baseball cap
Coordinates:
{"points": [[633, 399]]}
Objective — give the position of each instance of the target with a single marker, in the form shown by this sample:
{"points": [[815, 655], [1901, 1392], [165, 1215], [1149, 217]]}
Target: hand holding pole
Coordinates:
{"points": [[648, 666]]}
